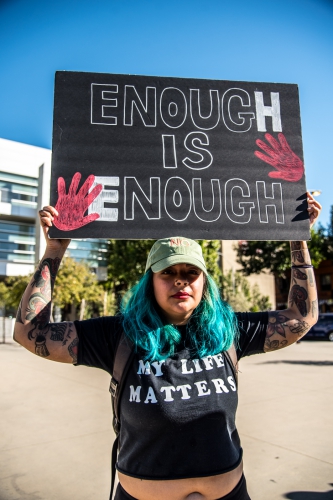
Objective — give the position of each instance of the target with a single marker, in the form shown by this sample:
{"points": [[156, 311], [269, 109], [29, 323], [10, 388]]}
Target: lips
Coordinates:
{"points": [[181, 295]]}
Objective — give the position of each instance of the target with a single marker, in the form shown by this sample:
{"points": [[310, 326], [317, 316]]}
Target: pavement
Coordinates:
{"points": [[56, 434]]}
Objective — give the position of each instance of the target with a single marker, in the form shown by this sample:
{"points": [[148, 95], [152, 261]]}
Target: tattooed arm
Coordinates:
{"points": [[33, 330], [288, 326]]}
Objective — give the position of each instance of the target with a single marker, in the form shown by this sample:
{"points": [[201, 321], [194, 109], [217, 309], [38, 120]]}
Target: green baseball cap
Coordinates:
{"points": [[176, 250]]}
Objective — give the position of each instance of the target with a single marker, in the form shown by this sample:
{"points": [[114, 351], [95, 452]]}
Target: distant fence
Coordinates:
{"points": [[6, 329]]}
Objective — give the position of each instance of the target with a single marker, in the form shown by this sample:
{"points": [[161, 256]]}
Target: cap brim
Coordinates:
{"points": [[172, 260]]}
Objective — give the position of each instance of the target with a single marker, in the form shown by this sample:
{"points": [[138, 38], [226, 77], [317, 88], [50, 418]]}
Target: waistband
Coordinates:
{"points": [[238, 493]]}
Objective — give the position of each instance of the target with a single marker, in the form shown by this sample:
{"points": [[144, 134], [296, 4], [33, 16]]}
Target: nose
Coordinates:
{"points": [[181, 281]]}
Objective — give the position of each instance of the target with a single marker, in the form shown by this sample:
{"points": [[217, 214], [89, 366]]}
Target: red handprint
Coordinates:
{"points": [[289, 167], [72, 206]]}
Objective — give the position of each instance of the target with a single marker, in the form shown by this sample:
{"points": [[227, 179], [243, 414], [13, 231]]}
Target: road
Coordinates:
{"points": [[56, 436]]}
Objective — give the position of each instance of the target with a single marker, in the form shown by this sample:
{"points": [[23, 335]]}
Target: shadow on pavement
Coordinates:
{"points": [[290, 362], [309, 495]]}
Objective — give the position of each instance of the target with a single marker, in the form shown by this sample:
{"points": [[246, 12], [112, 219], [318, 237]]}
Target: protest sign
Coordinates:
{"points": [[138, 157]]}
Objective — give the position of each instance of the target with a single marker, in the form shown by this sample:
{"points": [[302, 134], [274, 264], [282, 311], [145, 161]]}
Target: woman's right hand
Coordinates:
{"points": [[46, 216]]}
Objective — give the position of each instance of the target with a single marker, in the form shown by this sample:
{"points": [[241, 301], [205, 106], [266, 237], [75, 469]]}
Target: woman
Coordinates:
{"points": [[178, 438]]}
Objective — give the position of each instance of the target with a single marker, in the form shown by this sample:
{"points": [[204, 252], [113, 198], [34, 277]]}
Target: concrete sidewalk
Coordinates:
{"points": [[55, 431]]}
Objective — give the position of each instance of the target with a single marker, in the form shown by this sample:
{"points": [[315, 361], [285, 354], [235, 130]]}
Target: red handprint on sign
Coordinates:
{"points": [[72, 206], [289, 167]]}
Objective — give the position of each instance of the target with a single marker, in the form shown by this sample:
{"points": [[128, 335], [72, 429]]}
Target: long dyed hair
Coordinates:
{"points": [[212, 326]]}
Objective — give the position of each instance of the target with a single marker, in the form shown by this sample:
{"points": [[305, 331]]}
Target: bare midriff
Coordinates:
{"points": [[194, 488]]}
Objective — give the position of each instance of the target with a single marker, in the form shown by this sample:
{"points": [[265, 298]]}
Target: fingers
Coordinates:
{"points": [[86, 186], [268, 150], [276, 174], [94, 193], [74, 185], [314, 208], [273, 142], [284, 143], [89, 218], [265, 158], [48, 208], [312, 202], [61, 187], [46, 215]]}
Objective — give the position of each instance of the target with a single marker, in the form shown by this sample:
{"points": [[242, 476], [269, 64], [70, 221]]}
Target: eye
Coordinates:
{"points": [[167, 271], [196, 271]]}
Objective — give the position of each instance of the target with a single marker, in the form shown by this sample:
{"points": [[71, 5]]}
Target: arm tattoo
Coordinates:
{"points": [[40, 346], [72, 349], [36, 304], [68, 336], [19, 314], [298, 296], [299, 327], [298, 274], [58, 331], [39, 320], [296, 252], [38, 309], [280, 325], [314, 308], [46, 273], [272, 345], [296, 245], [311, 277], [276, 324]]}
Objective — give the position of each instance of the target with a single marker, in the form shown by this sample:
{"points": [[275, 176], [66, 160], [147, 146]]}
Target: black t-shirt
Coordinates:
{"points": [[177, 415]]}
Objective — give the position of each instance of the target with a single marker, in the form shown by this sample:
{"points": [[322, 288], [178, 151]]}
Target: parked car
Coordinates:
{"points": [[323, 329]]}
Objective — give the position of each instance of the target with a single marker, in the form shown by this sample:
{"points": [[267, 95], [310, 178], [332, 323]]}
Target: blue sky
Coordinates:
{"points": [[289, 41]]}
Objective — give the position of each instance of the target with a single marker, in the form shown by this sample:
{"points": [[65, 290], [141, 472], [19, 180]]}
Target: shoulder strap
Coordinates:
{"points": [[123, 356], [231, 357], [122, 361]]}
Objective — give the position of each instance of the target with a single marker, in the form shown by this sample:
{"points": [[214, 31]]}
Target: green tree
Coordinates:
{"points": [[3, 295], [237, 291], [127, 262], [329, 237], [257, 256], [15, 288], [210, 249], [75, 286]]}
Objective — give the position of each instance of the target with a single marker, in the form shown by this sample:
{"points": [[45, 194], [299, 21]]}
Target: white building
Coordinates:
{"points": [[25, 187], [19, 174]]}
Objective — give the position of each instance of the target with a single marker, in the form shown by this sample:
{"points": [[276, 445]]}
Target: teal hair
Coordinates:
{"points": [[212, 327]]}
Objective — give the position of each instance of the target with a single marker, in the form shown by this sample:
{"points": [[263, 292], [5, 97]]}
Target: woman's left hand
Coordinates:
{"points": [[314, 208]]}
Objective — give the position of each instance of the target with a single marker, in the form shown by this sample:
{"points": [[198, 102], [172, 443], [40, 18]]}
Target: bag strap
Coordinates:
{"points": [[231, 357], [124, 353], [122, 361]]}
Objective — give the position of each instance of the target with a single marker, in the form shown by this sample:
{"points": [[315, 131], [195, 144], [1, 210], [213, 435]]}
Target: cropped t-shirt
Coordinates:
{"points": [[177, 415]]}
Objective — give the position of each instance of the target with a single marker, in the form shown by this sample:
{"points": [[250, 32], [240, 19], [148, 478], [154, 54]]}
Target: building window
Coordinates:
{"points": [[17, 242], [325, 282], [18, 189], [92, 251]]}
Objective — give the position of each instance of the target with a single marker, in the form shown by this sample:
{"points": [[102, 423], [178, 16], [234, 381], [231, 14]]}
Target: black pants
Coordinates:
{"points": [[238, 493]]}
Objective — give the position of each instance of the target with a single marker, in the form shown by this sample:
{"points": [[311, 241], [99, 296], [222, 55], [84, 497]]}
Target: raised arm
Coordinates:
{"points": [[287, 326], [33, 330]]}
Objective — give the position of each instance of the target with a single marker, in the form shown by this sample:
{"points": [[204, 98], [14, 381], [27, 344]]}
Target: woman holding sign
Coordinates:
{"points": [[178, 439]]}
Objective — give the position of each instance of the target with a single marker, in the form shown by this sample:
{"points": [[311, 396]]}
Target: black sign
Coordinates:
{"points": [[138, 157]]}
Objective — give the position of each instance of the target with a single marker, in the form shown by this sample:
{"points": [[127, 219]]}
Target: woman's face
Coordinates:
{"points": [[178, 290]]}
